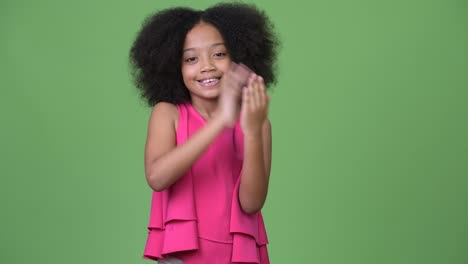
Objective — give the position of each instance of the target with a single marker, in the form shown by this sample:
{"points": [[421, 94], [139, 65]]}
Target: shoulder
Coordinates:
{"points": [[164, 113], [164, 108]]}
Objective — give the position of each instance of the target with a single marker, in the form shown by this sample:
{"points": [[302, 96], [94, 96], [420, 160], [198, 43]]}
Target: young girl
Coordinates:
{"points": [[208, 148]]}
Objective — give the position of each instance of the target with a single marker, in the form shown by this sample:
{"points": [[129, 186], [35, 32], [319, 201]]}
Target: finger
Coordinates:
{"points": [[261, 92], [251, 83], [245, 99], [251, 79], [251, 95], [242, 96], [257, 92]]}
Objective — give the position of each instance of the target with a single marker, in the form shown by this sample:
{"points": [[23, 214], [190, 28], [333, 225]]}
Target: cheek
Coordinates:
{"points": [[185, 80], [224, 66], [186, 74]]}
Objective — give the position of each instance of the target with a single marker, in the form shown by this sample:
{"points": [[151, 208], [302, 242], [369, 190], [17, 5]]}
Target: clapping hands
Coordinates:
{"points": [[244, 93]]}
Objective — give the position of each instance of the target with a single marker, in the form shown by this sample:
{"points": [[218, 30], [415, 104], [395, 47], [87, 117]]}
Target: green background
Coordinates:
{"points": [[370, 132]]}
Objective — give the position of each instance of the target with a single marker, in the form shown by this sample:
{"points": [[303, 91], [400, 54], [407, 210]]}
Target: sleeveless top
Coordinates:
{"points": [[204, 202]]}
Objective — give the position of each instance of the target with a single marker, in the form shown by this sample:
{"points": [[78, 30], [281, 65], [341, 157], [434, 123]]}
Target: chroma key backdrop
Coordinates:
{"points": [[369, 118]]}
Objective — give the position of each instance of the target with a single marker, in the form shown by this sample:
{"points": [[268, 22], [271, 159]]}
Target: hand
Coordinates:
{"points": [[255, 102], [230, 98], [237, 75]]}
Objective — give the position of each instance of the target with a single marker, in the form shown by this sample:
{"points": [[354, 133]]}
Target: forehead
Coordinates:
{"points": [[202, 35]]}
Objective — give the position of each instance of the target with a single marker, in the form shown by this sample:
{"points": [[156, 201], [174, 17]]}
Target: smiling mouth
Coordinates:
{"points": [[209, 82]]}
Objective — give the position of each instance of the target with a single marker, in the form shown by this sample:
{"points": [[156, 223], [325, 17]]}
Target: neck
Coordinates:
{"points": [[206, 108]]}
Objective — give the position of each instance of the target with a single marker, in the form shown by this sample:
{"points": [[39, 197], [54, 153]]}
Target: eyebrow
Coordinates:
{"points": [[214, 45]]}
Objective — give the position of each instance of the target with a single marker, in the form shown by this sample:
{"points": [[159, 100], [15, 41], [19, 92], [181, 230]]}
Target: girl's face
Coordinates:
{"points": [[204, 61]]}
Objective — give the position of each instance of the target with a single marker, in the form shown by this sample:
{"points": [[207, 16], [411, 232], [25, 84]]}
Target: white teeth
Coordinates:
{"points": [[208, 80]]}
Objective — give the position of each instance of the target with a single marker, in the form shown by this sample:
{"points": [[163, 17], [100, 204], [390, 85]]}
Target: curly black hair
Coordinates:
{"points": [[156, 54]]}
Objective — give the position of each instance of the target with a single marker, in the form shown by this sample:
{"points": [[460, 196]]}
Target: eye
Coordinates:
{"points": [[191, 59], [220, 54]]}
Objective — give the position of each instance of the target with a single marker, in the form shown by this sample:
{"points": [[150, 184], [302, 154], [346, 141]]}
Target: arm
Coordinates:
{"points": [[165, 162], [256, 170], [257, 146]]}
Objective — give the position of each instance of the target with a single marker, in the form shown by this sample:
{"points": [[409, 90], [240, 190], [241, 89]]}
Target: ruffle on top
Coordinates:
{"points": [[173, 218]]}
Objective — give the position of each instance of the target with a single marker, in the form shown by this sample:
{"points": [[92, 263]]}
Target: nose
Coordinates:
{"points": [[207, 65]]}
